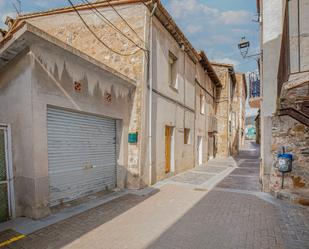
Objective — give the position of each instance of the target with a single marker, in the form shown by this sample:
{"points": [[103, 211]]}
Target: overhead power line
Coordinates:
{"points": [[96, 36], [17, 6], [105, 19], [125, 21]]}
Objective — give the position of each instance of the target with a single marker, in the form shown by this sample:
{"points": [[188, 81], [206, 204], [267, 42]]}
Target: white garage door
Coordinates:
{"points": [[81, 154]]}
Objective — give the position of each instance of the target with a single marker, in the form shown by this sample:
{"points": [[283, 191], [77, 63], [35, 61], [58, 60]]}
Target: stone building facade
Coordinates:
{"points": [[284, 115], [230, 110], [239, 108], [154, 95]]}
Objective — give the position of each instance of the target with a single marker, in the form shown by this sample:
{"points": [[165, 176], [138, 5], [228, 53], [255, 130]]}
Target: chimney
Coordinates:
{"points": [[9, 21]]}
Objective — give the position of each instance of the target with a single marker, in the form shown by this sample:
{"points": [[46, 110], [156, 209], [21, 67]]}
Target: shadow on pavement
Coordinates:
{"points": [[228, 220], [246, 176], [224, 220], [64, 232]]}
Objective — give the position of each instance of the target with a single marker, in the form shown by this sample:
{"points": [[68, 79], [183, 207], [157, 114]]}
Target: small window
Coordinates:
{"points": [[202, 99], [172, 73], [187, 136]]}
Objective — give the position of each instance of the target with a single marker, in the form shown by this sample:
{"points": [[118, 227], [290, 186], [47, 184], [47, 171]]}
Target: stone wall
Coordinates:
{"points": [[294, 136], [238, 114], [69, 28], [222, 112]]}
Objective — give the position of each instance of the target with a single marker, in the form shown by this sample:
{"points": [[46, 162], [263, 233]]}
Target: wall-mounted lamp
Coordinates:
{"points": [[243, 47]]}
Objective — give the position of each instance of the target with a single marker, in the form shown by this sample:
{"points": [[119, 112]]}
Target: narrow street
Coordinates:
{"points": [[182, 212], [138, 124]]}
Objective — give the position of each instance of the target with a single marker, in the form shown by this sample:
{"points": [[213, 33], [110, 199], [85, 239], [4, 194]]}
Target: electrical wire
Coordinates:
{"points": [[98, 38], [106, 20], [124, 20]]}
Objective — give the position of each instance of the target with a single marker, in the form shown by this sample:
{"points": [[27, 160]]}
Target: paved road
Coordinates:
{"points": [[183, 214]]}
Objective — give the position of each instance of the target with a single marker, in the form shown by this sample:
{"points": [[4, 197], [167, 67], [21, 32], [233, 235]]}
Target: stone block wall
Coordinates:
{"points": [[69, 28], [294, 136], [222, 112]]}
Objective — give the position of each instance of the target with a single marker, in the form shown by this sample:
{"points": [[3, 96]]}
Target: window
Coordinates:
{"points": [[172, 72], [298, 28], [202, 104], [187, 136]]}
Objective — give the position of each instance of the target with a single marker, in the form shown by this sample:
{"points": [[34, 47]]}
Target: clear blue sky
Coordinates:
{"points": [[215, 26]]}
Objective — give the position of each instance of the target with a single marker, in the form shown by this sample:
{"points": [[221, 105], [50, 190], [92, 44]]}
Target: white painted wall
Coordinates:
{"points": [[272, 28]]}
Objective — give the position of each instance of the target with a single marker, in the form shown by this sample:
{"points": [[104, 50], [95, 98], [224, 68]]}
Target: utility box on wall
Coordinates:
{"points": [[133, 138]]}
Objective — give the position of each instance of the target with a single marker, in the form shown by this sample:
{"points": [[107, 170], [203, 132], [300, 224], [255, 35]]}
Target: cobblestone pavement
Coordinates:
{"points": [[181, 215]]}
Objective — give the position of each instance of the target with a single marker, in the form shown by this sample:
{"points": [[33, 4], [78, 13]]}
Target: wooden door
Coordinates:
{"points": [[168, 134]]}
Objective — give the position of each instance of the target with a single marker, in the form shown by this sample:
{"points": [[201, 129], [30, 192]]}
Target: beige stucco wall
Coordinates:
{"points": [[179, 108], [45, 76], [171, 107], [204, 121], [15, 109]]}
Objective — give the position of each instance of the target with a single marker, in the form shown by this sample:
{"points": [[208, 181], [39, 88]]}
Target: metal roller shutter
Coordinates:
{"points": [[81, 154]]}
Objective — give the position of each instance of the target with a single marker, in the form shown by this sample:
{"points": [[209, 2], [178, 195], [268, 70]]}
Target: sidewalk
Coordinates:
{"points": [[204, 176], [218, 206]]}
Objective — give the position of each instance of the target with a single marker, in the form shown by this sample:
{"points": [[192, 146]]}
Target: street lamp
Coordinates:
{"points": [[243, 47]]}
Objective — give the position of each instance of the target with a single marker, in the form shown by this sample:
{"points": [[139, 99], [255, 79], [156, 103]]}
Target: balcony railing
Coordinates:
{"points": [[254, 90], [255, 85]]}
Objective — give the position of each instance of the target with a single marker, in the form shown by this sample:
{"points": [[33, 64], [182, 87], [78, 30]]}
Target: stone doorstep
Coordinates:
{"points": [[295, 196]]}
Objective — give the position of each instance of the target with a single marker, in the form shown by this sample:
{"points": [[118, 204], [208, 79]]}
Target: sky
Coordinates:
{"points": [[215, 26]]}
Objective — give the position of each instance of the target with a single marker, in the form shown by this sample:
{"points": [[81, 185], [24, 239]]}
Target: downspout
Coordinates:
{"points": [[184, 85], [150, 95], [195, 133]]}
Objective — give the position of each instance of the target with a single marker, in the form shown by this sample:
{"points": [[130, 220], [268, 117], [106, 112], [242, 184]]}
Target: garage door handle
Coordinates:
{"points": [[90, 167]]}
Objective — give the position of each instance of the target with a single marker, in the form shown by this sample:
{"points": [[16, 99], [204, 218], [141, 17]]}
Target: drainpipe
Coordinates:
{"points": [[150, 95], [184, 84]]}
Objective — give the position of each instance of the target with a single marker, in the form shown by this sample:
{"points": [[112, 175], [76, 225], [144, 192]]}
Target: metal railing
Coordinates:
{"points": [[255, 85]]}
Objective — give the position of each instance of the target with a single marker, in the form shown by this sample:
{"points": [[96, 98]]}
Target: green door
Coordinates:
{"points": [[4, 209]]}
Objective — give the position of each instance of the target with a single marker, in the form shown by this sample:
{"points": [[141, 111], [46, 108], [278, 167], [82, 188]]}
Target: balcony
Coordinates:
{"points": [[255, 90]]}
